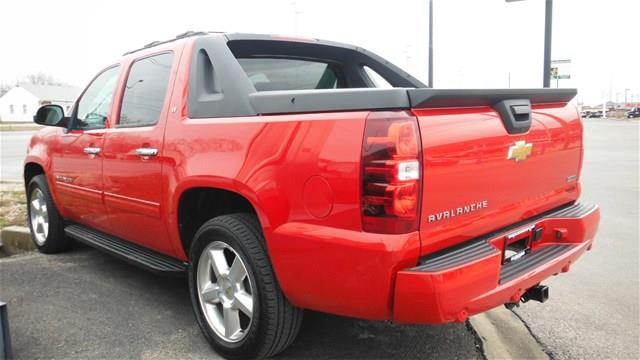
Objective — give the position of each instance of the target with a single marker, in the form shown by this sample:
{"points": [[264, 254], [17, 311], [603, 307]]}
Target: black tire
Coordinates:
{"points": [[275, 322], [56, 240]]}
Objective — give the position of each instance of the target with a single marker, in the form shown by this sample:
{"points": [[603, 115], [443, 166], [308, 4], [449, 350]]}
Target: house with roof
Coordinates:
{"points": [[21, 102]]}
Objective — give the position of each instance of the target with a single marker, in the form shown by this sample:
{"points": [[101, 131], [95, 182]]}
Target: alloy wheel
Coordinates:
{"points": [[225, 291], [39, 217]]}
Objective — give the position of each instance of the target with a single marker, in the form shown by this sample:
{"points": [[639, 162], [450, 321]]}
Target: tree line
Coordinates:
{"points": [[38, 78]]}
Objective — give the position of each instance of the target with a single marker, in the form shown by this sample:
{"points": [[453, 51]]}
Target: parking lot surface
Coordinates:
{"points": [[592, 312], [85, 304]]}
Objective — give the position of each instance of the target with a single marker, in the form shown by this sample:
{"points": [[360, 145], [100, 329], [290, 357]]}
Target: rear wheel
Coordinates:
{"points": [[45, 223], [237, 301]]}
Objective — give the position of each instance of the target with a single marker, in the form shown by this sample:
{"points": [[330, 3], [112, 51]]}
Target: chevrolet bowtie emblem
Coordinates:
{"points": [[519, 151]]}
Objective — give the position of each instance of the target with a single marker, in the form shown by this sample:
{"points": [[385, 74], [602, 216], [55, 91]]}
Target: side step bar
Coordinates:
{"points": [[131, 253]]}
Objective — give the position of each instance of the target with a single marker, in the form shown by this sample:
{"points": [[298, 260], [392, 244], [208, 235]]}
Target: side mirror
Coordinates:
{"points": [[51, 115]]}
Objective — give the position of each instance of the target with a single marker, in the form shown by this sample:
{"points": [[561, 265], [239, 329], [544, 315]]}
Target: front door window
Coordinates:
{"points": [[95, 104]]}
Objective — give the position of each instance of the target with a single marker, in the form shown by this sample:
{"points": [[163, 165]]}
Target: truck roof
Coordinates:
{"points": [[242, 36]]}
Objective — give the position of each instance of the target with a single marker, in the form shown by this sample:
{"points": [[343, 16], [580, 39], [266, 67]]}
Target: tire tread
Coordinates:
{"points": [[285, 320]]}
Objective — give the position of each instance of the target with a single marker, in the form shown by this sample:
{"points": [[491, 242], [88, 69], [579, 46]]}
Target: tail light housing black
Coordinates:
{"points": [[391, 173]]}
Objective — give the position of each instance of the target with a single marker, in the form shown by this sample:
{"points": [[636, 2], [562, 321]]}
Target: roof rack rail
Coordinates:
{"points": [[185, 34]]}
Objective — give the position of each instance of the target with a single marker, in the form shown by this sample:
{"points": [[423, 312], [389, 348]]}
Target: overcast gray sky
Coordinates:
{"points": [[478, 43]]}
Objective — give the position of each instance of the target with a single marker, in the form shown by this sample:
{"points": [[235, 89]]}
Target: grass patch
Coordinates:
{"points": [[13, 208]]}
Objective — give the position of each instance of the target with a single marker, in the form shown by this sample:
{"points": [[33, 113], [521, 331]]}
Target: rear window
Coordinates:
{"points": [[270, 74]]}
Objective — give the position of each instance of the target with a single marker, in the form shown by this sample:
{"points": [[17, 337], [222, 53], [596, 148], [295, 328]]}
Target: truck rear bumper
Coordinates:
{"points": [[455, 283]]}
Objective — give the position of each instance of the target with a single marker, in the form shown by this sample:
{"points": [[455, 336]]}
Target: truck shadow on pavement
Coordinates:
{"points": [[86, 304]]}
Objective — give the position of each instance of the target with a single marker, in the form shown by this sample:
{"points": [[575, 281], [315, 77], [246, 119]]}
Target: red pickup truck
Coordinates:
{"points": [[282, 174]]}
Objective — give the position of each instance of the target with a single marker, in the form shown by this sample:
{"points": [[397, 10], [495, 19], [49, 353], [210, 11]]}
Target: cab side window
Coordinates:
{"points": [[146, 90], [95, 104]]}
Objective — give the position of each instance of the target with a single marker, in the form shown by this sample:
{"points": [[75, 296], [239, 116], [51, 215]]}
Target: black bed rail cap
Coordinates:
{"points": [[306, 101]]}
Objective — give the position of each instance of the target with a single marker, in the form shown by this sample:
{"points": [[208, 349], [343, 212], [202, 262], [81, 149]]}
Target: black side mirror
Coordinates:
{"points": [[51, 115]]}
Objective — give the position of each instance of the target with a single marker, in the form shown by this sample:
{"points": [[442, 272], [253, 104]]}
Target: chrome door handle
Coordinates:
{"points": [[147, 151], [92, 150]]}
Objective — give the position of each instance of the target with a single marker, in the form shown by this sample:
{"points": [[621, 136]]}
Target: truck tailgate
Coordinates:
{"points": [[478, 177]]}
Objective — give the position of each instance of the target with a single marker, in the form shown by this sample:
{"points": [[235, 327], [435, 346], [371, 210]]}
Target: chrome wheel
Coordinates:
{"points": [[39, 217], [225, 291]]}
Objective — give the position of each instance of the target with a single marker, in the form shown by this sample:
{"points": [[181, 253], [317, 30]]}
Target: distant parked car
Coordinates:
{"points": [[633, 113], [590, 114]]}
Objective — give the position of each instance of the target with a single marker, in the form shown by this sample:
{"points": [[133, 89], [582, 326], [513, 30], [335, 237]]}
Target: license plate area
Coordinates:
{"points": [[516, 245]]}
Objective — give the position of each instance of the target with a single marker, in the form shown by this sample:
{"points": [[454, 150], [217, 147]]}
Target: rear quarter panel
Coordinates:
{"points": [[301, 173]]}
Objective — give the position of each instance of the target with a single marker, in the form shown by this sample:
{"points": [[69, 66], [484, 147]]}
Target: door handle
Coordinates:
{"points": [[92, 150], [145, 152]]}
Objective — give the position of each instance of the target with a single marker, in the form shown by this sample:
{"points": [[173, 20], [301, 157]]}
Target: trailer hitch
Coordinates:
{"points": [[539, 293]]}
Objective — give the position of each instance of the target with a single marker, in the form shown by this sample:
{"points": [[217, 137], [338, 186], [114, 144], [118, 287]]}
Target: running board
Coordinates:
{"points": [[131, 253]]}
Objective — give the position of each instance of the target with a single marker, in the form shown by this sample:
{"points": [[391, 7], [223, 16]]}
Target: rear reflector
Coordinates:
{"points": [[391, 173]]}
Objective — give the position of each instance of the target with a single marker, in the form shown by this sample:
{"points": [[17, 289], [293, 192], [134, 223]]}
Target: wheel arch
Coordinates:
{"points": [[200, 201], [32, 169]]}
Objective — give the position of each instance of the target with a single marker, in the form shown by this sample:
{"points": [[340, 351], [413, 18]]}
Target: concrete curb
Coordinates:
{"points": [[16, 239], [504, 336]]}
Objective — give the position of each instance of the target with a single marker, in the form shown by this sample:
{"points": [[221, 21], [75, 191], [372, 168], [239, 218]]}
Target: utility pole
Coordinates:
{"points": [[546, 66], [546, 71], [625, 96], [296, 12], [430, 84]]}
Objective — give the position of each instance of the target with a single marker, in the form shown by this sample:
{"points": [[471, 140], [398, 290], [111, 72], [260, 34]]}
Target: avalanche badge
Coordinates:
{"points": [[519, 151]]}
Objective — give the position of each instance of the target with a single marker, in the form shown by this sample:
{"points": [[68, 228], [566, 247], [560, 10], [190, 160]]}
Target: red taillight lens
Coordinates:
{"points": [[391, 173]]}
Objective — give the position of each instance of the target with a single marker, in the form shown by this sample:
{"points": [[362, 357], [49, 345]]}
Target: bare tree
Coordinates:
{"points": [[41, 78], [4, 88]]}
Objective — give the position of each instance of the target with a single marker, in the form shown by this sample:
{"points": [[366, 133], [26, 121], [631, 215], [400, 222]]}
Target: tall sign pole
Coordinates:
{"points": [[546, 71], [430, 44], [546, 66]]}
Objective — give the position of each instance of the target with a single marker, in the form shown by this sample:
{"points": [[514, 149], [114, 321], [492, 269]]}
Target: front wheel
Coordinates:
{"points": [[45, 223], [236, 298]]}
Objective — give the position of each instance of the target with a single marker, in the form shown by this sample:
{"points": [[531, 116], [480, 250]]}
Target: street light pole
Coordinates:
{"points": [[546, 71], [430, 84], [546, 66], [625, 96]]}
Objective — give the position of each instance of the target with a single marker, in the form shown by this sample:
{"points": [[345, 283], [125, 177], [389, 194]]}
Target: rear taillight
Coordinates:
{"points": [[391, 173]]}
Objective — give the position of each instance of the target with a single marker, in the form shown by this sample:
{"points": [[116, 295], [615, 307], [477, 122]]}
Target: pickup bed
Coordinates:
{"points": [[282, 174]]}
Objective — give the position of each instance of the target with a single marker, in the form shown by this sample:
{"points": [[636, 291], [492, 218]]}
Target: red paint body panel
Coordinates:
{"points": [[78, 177], [302, 175], [465, 162]]}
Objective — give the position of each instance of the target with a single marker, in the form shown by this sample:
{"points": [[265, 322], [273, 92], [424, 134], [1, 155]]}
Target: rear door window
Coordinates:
{"points": [[146, 90], [270, 74]]}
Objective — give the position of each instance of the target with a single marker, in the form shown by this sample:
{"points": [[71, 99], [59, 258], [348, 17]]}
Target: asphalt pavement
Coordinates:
{"points": [[88, 305], [13, 147], [592, 312]]}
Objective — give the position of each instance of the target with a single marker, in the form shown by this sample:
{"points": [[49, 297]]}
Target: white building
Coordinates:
{"points": [[21, 102]]}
